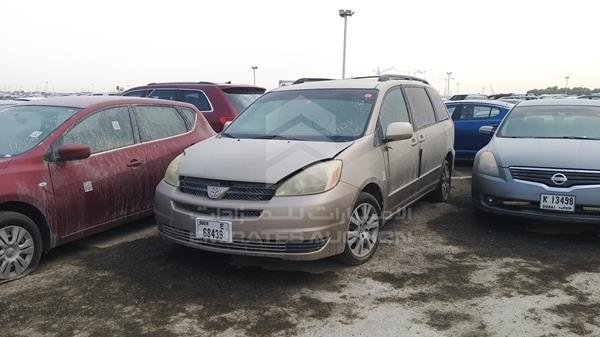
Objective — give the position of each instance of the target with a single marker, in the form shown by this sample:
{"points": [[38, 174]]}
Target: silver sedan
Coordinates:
{"points": [[542, 163]]}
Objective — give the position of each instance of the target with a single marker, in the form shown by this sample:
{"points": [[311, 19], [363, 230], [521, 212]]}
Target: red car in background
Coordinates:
{"points": [[73, 166], [219, 103]]}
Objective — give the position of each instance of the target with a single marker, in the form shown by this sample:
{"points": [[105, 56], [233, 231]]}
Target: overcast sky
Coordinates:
{"points": [[509, 45]]}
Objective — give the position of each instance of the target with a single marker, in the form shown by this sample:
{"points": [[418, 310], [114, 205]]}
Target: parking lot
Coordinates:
{"points": [[442, 272]]}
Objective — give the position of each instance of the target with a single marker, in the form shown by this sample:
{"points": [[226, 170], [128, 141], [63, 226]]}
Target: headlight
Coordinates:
{"points": [[318, 178], [488, 165], [172, 174]]}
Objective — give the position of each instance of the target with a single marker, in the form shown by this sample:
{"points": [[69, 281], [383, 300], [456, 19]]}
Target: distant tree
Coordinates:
{"points": [[556, 90]]}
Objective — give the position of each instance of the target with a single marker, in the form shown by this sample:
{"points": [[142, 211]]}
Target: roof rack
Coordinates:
{"points": [[159, 83], [310, 79], [390, 77]]}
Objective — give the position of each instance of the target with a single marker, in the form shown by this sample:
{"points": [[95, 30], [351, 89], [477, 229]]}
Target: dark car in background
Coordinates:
{"points": [[73, 166], [468, 117], [219, 103], [542, 163]]}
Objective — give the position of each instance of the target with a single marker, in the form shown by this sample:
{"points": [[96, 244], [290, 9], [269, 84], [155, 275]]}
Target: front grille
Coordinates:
{"points": [[544, 176], [220, 212], [237, 190], [271, 246]]}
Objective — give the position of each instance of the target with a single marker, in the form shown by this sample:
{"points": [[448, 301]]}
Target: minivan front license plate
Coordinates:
{"points": [[561, 203], [213, 230]]}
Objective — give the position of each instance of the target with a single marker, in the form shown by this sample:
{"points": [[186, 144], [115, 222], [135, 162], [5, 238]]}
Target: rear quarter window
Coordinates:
{"points": [[441, 112], [198, 99], [189, 116]]}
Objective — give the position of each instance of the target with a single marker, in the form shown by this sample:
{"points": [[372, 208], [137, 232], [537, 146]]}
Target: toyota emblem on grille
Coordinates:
{"points": [[559, 179], [216, 192]]}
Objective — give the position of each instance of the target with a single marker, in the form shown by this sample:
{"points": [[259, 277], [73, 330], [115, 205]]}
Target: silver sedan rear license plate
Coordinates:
{"points": [[561, 203], [213, 230]]}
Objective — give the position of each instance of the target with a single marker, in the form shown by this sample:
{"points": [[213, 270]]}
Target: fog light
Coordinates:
{"points": [[490, 200]]}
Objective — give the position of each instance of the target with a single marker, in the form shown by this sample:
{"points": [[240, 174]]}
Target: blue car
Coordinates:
{"points": [[468, 117]]}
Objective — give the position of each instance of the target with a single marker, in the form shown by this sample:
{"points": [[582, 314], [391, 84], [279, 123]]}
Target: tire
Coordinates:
{"points": [[366, 231], [442, 191], [20, 246]]}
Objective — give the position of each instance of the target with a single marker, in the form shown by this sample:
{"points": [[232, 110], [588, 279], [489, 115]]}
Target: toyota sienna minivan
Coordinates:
{"points": [[311, 170]]}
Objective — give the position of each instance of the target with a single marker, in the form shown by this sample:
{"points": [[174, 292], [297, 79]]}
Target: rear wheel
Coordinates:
{"points": [[442, 192], [20, 246], [362, 237]]}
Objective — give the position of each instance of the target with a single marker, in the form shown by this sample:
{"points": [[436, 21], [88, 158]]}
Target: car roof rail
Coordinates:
{"points": [[310, 79], [170, 83], [391, 77]]}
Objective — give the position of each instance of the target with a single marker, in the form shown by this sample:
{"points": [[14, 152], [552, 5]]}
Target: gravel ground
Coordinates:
{"points": [[441, 272]]}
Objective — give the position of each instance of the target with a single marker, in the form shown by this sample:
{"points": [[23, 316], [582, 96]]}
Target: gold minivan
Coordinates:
{"points": [[311, 170]]}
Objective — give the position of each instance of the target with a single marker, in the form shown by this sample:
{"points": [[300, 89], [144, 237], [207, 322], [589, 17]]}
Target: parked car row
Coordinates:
{"points": [[307, 171]]}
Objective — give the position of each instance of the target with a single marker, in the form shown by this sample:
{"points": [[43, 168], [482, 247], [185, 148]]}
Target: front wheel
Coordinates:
{"points": [[442, 192], [20, 246], [362, 237]]}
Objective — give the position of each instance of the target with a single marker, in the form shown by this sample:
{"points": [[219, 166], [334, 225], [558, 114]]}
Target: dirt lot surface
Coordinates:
{"points": [[443, 272]]}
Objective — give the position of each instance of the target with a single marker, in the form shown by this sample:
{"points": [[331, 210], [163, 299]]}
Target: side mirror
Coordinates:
{"points": [[399, 131], [69, 152], [226, 124], [487, 130]]}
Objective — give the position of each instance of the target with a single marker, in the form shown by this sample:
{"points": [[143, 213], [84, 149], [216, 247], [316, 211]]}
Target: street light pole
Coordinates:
{"points": [[254, 73], [448, 84], [567, 85], [345, 13]]}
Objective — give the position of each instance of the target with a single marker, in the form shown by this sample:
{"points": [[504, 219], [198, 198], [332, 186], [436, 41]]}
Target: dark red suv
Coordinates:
{"points": [[73, 166], [219, 103]]}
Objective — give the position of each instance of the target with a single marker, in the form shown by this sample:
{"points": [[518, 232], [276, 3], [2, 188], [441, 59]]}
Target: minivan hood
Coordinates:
{"points": [[253, 160], [551, 153]]}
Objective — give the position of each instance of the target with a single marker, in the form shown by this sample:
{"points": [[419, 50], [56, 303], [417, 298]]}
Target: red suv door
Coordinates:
{"points": [[107, 186], [165, 133]]}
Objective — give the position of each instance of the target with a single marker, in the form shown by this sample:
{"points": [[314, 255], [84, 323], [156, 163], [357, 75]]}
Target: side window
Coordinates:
{"points": [[170, 94], [495, 112], [137, 93], [451, 110], [104, 130], [421, 108], [441, 112], [393, 109], [198, 99], [157, 122], [480, 112], [474, 112], [190, 117]]}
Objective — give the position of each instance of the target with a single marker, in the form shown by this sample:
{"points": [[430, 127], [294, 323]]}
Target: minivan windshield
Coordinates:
{"points": [[567, 122], [335, 115], [24, 127]]}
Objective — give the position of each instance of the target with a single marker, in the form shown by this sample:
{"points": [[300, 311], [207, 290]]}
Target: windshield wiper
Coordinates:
{"points": [[578, 137]]}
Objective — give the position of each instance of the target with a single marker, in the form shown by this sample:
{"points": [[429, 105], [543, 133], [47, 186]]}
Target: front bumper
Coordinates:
{"points": [[294, 228], [521, 199]]}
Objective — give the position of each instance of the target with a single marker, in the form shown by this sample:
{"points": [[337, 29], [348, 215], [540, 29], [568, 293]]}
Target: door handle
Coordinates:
{"points": [[135, 163], [421, 139], [414, 142]]}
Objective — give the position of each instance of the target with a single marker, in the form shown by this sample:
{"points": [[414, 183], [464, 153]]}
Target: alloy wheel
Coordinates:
{"points": [[16, 251], [446, 181], [363, 231]]}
